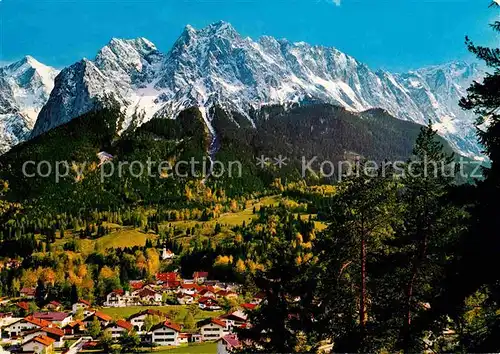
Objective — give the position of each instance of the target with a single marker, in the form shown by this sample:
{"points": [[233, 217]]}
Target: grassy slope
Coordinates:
{"points": [[125, 237], [205, 348], [125, 312]]}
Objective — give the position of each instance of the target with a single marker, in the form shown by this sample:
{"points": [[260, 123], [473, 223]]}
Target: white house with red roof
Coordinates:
{"points": [[189, 289], [25, 324], [185, 299], [55, 333], [83, 305], [149, 296], [54, 306], [258, 298], [40, 344], [235, 319], [213, 329], [117, 298], [207, 293], [118, 328], [166, 334], [200, 277], [27, 293], [208, 303]]}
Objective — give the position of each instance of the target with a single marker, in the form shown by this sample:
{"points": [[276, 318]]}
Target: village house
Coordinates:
{"points": [[54, 333], [38, 345], [103, 157], [103, 319], [12, 264], [207, 293], [118, 328], [212, 283], [194, 338], [74, 328], [136, 284], [183, 338], [58, 318], [137, 320], [212, 329], [25, 324], [166, 334], [54, 306], [226, 294], [235, 319], [189, 289], [6, 321], [23, 305], [185, 299], [119, 298], [200, 277], [208, 303], [167, 254], [27, 293], [149, 296], [227, 344], [82, 305], [171, 286], [167, 277], [5, 315]]}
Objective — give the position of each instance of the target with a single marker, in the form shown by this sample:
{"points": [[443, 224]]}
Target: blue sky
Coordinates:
{"points": [[392, 34]]}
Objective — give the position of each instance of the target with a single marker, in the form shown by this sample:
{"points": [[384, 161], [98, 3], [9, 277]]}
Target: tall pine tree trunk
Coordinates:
{"points": [[362, 295], [409, 293]]}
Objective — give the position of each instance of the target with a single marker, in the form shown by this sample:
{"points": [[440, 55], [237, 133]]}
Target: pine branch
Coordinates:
{"points": [[496, 26]]}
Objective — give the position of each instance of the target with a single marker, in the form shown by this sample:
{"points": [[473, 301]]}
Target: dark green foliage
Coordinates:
{"points": [[78, 141], [474, 272]]}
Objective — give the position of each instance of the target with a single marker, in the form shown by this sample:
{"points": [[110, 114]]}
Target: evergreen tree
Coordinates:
{"points": [[408, 273], [74, 294], [40, 293], [130, 341], [94, 328]]}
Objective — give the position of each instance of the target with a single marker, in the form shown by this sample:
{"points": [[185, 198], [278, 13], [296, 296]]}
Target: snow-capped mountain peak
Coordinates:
{"points": [[216, 65], [25, 86]]}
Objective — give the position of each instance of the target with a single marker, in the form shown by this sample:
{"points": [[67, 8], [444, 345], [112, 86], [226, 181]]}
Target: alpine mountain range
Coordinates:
{"points": [[217, 66]]}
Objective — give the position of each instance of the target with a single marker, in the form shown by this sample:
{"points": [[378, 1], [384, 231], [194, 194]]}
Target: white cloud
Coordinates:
{"points": [[337, 2]]}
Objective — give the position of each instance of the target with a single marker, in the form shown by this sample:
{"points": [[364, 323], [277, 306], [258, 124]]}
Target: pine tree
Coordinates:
{"points": [[408, 272], [361, 217]]}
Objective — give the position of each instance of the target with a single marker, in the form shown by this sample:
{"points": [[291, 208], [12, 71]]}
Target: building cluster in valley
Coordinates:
{"points": [[65, 329]]}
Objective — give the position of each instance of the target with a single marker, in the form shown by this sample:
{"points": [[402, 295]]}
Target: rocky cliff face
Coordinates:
{"points": [[24, 89]]}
